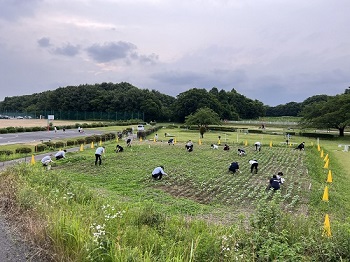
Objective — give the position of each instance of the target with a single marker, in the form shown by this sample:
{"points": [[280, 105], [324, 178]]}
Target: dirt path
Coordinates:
{"points": [[12, 247]]}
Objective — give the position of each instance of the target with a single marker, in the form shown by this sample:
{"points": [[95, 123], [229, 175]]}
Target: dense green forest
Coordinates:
{"points": [[124, 97]]}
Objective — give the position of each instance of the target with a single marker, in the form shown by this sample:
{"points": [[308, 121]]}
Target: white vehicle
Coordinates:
{"points": [[140, 128]]}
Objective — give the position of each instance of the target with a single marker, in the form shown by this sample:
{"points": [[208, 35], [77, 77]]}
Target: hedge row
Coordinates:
{"points": [[20, 129]]}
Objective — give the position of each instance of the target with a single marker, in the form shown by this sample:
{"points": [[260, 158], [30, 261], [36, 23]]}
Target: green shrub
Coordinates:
{"points": [[36, 128], [23, 150], [11, 129], [3, 131], [254, 131], [59, 144], [71, 142], [20, 129], [6, 152], [49, 144], [28, 129], [89, 139], [81, 141], [40, 147], [320, 135]]}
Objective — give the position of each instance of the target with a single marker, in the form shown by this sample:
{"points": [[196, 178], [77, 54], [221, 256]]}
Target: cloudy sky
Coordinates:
{"points": [[276, 51]]}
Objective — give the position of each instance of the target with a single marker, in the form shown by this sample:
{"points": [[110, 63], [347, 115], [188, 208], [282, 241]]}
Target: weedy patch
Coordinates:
{"points": [[200, 176]]}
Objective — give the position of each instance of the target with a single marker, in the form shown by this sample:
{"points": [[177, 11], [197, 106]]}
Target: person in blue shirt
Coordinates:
{"points": [[234, 167], [158, 173], [274, 183]]}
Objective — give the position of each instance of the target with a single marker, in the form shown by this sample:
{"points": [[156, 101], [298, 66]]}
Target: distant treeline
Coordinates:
{"points": [[124, 97]]}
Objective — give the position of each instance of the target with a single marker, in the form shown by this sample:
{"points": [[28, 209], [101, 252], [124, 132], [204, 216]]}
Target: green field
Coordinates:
{"points": [[200, 211]]}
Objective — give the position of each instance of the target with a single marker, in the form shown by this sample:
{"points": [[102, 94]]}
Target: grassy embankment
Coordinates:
{"points": [[199, 212]]}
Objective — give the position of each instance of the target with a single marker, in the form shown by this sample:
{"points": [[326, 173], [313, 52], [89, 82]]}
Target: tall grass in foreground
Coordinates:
{"points": [[83, 225]]}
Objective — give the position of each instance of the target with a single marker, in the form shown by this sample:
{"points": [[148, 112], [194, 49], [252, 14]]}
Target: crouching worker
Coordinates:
{"points": [[119, 149], [60, 154], [301, 146], [171, 141], [158, 173], [189, 146], [46, 161], [274, 183], [234, 167], [226, 147], [241, 152], [213, 146]]}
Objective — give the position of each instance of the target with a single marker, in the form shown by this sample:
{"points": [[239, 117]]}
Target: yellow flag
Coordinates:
{"points": [[270, 143], [140, 138], [92, 144], [81, 147], [32, 161], [175, 140], [100, 143], [325, 194], [246, 143], [329, 177], [327, 226], [326, 164], [199, 142]]}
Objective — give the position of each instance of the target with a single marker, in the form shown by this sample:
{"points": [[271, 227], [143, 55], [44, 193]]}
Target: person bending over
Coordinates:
{"points": [[253, 166], [158, 173]]}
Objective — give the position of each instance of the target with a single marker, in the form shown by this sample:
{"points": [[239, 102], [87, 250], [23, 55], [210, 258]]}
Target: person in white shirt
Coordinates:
{"points": [[60, 154], [46, 160], [213, 146], [158, 172], [280, 178], [98, 153], [253, 165], [257, 146]]}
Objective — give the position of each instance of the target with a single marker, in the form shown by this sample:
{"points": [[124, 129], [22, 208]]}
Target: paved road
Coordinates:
{"points": [[37, 137]]}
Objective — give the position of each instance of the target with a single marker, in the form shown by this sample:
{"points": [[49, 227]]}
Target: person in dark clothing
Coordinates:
{"points": [[226, 147], [301, 146], [119, 149], [274, 183], [128, 142], [253, 165], [171, 141], [234, 167], [241, 152]]}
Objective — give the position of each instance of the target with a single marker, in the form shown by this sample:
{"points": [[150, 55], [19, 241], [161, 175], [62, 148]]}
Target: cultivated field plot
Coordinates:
{"points": [[195, 179]]}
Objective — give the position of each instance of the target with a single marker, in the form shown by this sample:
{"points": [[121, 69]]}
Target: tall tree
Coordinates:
{"points": [[333, 113], [202, 118]]}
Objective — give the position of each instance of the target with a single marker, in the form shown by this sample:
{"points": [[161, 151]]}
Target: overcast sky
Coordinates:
{"points": [[276, 51]]}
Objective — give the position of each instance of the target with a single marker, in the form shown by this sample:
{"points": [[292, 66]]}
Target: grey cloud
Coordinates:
{"points": [[110, 51], [12, 10], [44, 42], [145, 59], [67, 50]]}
